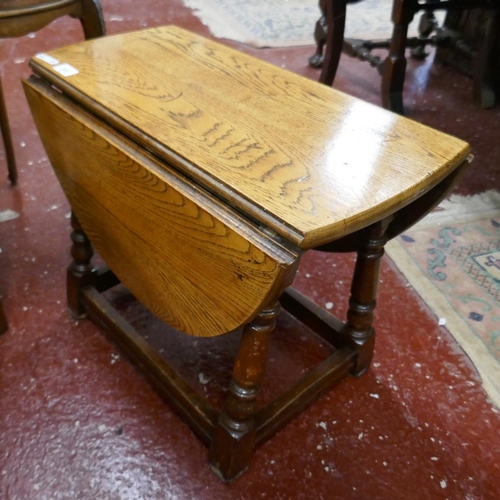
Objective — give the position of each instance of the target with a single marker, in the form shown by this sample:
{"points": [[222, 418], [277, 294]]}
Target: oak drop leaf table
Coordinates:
{"points": [[201, 175]]}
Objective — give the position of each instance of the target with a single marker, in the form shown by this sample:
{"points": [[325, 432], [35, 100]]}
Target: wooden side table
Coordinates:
{"points": [[201, 175]]}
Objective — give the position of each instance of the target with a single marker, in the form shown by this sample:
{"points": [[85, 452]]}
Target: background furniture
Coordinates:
{"points": [[329, 35], [480, 30], [203, 209], [20, 17]]}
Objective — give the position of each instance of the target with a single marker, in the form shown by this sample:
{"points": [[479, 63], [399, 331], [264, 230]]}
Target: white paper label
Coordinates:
{"points": [[47, 58], [66, 69]]}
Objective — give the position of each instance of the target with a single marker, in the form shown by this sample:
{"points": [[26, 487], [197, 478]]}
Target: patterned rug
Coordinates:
{"points": [[285, 23], [452, 259]]}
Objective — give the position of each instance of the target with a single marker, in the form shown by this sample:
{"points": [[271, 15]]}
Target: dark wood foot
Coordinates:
{"points": [[427, 24], [316, 60], [419, 53], [235, 435], [81, 272], [358, 330]]}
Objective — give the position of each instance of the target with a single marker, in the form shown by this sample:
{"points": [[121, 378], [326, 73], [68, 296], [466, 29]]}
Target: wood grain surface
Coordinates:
{"points": [[309, 162], [195, 264]]}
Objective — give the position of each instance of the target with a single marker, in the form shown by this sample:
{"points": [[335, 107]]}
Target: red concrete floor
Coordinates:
{"points": [[79, 422]]}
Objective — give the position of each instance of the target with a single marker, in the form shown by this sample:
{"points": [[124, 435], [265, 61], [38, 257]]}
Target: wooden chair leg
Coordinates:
{"points": [[335, 15], [316, 60], [394, 68], [81, 272], [234, 436], [7, 140], [92, 19], [358, 329], [4, 326]]}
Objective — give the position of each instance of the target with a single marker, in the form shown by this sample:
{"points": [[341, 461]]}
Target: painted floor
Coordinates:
{"points": [[79, 422]]}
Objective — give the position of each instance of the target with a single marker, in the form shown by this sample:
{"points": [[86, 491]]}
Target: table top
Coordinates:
{"points": [[305, 160]]}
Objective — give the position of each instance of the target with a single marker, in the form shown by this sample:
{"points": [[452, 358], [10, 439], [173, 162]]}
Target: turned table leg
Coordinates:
{"points": [[81, 272], [358, 328], [234, 437]]}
